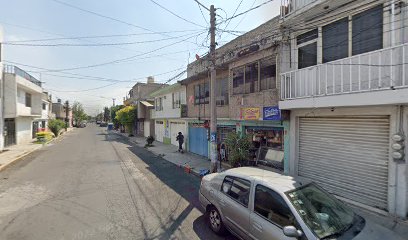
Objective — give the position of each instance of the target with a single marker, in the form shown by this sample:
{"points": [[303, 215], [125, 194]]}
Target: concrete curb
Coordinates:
{"points": [[191, 171]]}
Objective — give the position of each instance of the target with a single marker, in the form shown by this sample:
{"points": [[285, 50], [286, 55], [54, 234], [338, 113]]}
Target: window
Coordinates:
{"points": [[271, 206], [368, 31], [222, 92], [159, 104], [335, 40], [251, 78], [307, 49], [44, 106], [202, 93], [237, 189], [28, 100], [43, 124], [176, 100], [268, 74], [238, 81]]}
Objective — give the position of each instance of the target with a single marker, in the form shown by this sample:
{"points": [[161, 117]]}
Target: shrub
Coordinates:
{"points": [[149, 140], [56, 125], [44, 136], [238, 148]]}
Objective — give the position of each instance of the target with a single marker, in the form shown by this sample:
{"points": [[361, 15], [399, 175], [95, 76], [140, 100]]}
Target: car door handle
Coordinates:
{"points": [[222, 202], [257, 226]]}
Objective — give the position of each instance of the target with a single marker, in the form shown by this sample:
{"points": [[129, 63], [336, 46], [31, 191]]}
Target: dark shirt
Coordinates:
{"points": [[180, 138]]}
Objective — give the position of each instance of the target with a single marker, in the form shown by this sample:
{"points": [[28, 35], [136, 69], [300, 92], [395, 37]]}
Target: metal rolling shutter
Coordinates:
{"points": [[347, 156]]}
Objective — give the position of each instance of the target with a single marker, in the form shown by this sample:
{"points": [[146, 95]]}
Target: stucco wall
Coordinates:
{"points": [[10, 96], [24, 130]]}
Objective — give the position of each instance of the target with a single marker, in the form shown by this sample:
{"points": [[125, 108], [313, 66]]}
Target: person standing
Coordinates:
{"points": [[180, 140]]}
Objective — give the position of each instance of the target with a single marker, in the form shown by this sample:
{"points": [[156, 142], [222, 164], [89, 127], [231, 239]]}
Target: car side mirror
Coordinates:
{"points": [[291, 231]]}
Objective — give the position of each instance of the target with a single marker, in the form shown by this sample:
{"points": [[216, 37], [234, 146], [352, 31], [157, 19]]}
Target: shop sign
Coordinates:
{"points": [[250, 113], [271, 113]]}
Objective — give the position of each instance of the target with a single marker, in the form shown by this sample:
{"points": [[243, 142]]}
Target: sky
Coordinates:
{"points": [[92, 51]]}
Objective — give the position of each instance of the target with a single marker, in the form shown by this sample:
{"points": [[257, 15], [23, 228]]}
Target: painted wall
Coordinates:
{"points": [[168, 110], [10, 96], [24, 130], [146, 132]]}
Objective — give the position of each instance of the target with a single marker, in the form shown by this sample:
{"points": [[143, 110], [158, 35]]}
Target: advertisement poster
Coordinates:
{"points": [[271, 113], [250, 113]]}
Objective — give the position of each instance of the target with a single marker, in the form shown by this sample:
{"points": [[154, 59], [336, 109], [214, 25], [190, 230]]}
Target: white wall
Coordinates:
{"points": [[177, 126], [21, 104], [24, 130], [159, 131], [10, 96], [146, 132], [168, 111]]}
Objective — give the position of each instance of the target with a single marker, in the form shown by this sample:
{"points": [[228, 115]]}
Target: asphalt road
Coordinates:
{"points": [[91, 185]]}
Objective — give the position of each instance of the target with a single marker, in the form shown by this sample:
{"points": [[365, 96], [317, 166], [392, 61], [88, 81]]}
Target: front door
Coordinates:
{"points": [[9, 132], [35, 129], [270, 215], [234, 205]]}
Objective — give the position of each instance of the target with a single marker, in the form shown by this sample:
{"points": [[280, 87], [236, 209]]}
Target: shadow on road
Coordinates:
{"points": [[185, 185]]}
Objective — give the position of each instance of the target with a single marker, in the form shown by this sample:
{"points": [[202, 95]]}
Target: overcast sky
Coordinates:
{"points": [[162, 55]]}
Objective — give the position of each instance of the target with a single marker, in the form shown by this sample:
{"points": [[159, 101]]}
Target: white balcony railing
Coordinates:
{"points": [[377, 70]]}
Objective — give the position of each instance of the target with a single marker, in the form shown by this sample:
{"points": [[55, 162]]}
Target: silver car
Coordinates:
{"points": [[256, 204]]}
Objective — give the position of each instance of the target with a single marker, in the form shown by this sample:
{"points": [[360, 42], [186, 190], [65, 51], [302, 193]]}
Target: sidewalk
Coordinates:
{"points": [[170, 153]]}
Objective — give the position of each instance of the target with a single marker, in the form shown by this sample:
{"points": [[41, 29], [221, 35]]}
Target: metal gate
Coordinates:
{"points": [[198, 142], [348, 156], [9, 132]]}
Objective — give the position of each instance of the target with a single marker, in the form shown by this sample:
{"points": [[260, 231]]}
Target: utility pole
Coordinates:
{"points": [[66, 115], [213, 107], [113, 99]]}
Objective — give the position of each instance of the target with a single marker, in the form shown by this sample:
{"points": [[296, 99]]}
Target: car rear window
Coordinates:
{"points": [[237, 189]]}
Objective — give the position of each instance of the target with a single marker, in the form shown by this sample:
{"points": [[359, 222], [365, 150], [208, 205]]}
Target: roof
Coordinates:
{"points": [[147, 104], [274, 180], [165, 90]]}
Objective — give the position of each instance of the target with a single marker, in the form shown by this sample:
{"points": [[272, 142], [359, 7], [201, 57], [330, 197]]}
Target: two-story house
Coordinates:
{"points": [[139, 96], [170, 107], [344, 66], [22, 104], [46, 112], [59, 110], [247, 95]]}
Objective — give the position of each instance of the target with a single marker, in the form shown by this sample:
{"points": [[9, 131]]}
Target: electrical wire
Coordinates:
{"points": [[251, 9]]}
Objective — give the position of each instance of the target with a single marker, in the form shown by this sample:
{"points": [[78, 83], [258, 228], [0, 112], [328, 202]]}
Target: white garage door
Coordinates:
{"points": [[159, 130], [348, 156], [175, 128], [147, 128]]}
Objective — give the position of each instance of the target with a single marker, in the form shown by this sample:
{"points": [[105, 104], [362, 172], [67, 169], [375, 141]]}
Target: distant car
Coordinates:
{"points": [[103, 124], [98, 122], [257, 204]]}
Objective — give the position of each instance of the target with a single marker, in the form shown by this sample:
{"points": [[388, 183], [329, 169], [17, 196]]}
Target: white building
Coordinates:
{"points": [[22, 104], [1, 94], [46, 112], [344, 78], [169, 108]]}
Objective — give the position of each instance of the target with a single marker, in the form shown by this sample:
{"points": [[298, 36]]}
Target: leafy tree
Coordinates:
{"points": [[114, 110], [126, 116], [106, 114], [56, 125], [78, 113], [238, 148]]}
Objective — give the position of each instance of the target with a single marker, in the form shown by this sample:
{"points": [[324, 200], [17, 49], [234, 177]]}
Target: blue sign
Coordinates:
{"points": [[213, 137], [272, 113]]}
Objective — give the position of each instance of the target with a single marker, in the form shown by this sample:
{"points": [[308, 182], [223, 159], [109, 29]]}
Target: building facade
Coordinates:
{"points": [[46, 112], [247, 96], [344, 81], [59, 110], [170, 106], [22, 105]]}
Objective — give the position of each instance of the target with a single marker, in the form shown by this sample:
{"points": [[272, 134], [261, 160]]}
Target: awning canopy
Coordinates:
{"points": [[147, 104]]}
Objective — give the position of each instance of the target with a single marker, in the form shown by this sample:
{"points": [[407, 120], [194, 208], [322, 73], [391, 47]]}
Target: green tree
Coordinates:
{"points": [[114, 110], [126, 116], [78, 113], [106, 114], [56, 125], [238, 148]]}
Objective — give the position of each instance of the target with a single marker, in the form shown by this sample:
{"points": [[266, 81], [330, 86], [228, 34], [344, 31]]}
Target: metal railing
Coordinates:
{"points": [[377, 70], [289, 6], [18, 71]]}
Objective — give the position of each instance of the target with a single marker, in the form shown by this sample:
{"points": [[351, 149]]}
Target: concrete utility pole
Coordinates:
{"points": [[113, 99], [213, 107], [66, 115]]}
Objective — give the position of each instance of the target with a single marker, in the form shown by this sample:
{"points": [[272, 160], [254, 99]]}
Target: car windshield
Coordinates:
{"points": [[321, 212]]}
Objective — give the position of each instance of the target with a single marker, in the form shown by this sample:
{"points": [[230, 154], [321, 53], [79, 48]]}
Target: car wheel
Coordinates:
{"points": [[215, 221]]}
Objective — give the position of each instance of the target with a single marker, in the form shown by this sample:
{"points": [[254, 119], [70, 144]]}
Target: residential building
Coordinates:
{"points": [[22, 104], [1, 95], [344, 66], [247, 95], [139, 96], [46, 112], [59, 109], [170, 107]]}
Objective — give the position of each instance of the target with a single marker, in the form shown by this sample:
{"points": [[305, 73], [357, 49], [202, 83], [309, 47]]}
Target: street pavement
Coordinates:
{"points": [[94, 185]]}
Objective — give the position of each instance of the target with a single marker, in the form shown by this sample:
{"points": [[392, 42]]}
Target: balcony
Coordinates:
{"points": [[19, 72], [374, 74]]}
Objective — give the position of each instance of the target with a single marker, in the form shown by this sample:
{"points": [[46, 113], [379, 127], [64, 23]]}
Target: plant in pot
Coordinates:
{"points": [[149, 141], [239, 147]]}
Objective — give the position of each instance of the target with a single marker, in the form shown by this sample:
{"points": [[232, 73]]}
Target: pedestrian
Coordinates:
{"points": [[222, 152], [180, 140]]}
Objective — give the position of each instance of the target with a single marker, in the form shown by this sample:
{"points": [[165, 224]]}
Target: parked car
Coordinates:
{"points": [[98, 122], [257, 204], [103, 124]]}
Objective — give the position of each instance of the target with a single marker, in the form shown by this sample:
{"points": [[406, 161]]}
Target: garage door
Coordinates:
{"points": [[159, 130], [198, 142], [347, 156]]}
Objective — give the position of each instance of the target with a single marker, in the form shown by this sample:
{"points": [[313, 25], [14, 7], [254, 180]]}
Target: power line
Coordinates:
{"points": [[202, 14], [236, 9], [175, 14], [251, 9], [244, 16], [90, 45]]}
